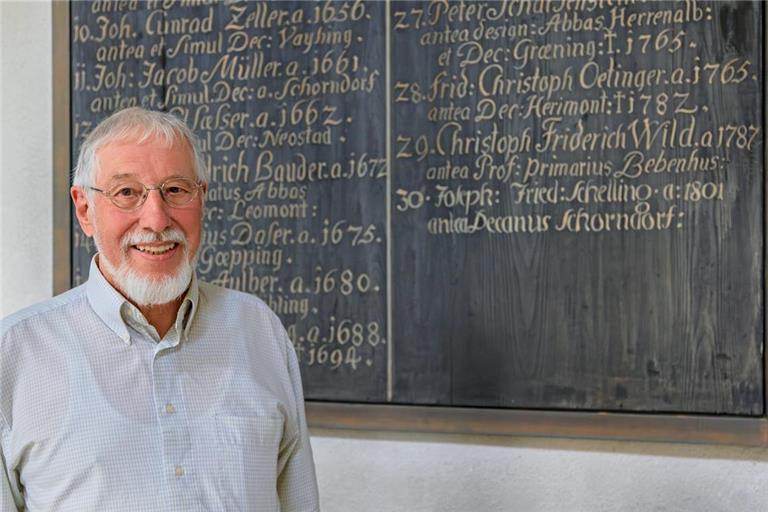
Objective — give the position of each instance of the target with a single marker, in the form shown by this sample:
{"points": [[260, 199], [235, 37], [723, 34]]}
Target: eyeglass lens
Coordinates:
{"points": [[131, 194]]}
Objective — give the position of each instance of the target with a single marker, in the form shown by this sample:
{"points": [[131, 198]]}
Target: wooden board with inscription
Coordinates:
{"points": [[519, 204]]}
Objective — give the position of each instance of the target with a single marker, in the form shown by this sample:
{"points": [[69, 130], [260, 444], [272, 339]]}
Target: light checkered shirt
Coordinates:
{"points": [[98, 414]]}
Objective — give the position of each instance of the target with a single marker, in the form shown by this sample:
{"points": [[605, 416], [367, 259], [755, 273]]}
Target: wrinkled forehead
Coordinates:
{"points": [[137, 152]]}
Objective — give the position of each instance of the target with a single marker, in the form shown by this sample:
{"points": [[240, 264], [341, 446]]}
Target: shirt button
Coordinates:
{"points": [[179, 471], [169, 409]]}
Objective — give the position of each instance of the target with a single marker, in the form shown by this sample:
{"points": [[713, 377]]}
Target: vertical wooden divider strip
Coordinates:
{"points": [[390, 166]]}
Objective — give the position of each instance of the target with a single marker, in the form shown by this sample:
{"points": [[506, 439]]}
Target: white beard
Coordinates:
{"points": [[144, 290]]}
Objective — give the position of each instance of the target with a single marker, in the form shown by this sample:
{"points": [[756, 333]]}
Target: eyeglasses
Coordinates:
{"points": [[130, 195]]}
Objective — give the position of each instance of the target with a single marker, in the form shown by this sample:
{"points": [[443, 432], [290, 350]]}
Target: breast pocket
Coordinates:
{"points": [[248, 449]]}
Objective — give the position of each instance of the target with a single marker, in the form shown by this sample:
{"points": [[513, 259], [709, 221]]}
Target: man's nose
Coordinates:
{"points": [[154, 212]]}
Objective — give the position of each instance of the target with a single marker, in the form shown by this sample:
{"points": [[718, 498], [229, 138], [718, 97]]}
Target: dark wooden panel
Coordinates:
{"points": [[548, 291], [288, 101]]}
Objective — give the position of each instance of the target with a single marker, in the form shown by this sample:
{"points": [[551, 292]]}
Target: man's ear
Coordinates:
{"points": [[82, 209]]}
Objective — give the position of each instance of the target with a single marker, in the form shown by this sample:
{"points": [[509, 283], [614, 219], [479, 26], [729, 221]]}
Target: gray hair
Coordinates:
{"points": [[139, 124]]}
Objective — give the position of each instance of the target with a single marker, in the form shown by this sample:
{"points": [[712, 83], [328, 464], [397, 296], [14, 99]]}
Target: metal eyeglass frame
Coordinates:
{"points": [[160, 188]]}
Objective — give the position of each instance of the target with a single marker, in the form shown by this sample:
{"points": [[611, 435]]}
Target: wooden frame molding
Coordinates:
{"points": [[722, 430], [61, 149]]}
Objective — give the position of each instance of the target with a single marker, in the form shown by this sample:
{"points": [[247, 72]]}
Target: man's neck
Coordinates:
{"points": [[161, 316]]}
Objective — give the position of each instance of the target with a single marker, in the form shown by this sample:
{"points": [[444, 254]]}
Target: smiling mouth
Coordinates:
{"points": [[156, 249]]}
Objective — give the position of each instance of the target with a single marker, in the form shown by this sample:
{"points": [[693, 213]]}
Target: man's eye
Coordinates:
{"points": [[126, 192], [178, 188]]}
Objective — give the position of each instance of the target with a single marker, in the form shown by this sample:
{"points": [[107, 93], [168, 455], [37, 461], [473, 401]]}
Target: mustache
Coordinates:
{"points": [[146, 237]]}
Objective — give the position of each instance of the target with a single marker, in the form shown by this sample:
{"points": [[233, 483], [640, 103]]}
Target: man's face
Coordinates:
{"points": [[119, 232]]}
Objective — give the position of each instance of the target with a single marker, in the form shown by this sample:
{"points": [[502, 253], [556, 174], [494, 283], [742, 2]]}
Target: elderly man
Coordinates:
{"points": [[144, 389]]}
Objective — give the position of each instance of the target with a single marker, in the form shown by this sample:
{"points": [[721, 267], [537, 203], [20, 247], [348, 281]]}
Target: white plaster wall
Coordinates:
{"points": [[387, 472], [26, 179], [377, 472]]}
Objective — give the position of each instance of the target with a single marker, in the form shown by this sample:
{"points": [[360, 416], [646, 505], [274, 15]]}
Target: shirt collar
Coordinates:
{"points": [[188, 307], [110, 305]]}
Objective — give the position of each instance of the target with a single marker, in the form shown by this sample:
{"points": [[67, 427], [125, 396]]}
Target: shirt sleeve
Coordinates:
{"points": [[296, 481], [10, 497]]}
